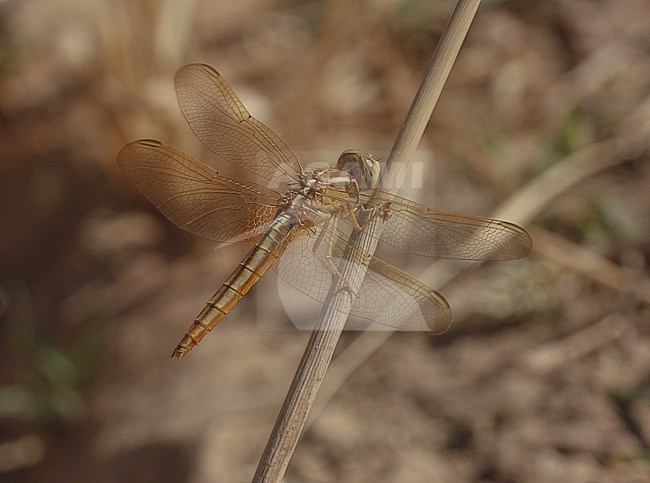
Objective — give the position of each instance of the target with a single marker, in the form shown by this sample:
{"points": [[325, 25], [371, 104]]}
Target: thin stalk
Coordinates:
{"points": [[323, 341]]}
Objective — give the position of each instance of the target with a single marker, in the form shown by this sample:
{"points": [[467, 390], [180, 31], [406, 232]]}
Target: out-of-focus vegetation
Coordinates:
{"points": [[545, 375]]}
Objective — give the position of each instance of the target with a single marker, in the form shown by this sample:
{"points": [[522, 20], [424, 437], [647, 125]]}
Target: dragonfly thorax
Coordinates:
{"points": [[324, 190], [327, 180]]}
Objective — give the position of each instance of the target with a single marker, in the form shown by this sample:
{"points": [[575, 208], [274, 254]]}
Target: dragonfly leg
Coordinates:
{"points": [[347, 211], [354, 189], [328, 262], [321, 236], [352, 214], [385, 211], [332, 268]]}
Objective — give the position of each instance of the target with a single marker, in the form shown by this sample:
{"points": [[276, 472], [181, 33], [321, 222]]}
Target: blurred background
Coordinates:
{"points": [[545, 373]]}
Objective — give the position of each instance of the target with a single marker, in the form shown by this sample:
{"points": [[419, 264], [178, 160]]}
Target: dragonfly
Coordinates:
{"points": [[296, 220]]}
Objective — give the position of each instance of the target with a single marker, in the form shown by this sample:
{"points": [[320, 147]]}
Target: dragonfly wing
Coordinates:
{"points": [[416, 229], [396, 299], [387, 295], [195, 197], [221, 122]]}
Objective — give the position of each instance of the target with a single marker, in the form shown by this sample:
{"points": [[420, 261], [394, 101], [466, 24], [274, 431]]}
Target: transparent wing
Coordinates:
{"points": [[416, 229], [222, 123], [195, 197], [387, 295]]}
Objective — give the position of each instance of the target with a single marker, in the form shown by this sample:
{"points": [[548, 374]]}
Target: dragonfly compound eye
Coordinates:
{"points": [[361, 167]]}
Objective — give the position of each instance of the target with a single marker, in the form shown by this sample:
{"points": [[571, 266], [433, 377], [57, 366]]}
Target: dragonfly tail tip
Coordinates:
{"points": [[178, 354]]}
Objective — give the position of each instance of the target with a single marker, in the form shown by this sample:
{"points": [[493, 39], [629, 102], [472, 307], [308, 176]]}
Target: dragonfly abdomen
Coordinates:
{"points": [[245, 276]]}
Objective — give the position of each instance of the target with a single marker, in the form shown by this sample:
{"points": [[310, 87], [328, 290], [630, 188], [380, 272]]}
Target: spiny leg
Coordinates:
{"points": [[347, 211], [328, 262]]}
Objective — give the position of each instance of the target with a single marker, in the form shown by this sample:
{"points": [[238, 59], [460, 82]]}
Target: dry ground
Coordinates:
{"points": [[545, 375]]}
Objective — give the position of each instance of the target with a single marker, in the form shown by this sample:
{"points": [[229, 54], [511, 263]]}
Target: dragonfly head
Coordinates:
{"points": [[362, 167]]}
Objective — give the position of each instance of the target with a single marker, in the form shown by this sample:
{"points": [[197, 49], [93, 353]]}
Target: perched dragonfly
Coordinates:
{"points": [[294, 223]]}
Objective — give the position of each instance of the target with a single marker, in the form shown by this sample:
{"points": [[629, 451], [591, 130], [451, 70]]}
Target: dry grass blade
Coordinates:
{"points": [[554, 355], [588, 263], [323, 341]]}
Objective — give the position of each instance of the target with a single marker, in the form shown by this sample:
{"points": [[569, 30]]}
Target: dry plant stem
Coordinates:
{"points": [[324, 339]]}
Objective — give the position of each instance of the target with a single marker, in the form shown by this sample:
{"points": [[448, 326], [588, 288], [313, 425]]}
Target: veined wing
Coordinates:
{"points": [[416, 229], [222, 123], [387, 295], [195, 197]]}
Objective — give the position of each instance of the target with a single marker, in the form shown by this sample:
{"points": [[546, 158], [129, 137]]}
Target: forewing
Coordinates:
{"points": [[416, 229], [387, 295], [195, 197], [222, 123]]}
